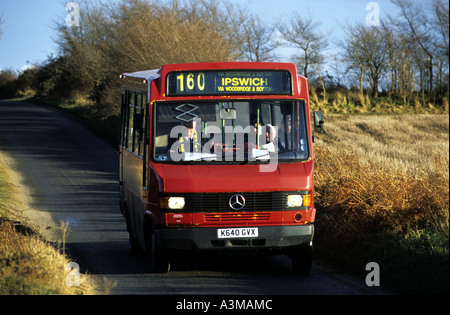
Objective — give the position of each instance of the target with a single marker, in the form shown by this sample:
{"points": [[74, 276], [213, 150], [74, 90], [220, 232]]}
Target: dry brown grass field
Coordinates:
{"points": [[411, 144], [383, 195]]}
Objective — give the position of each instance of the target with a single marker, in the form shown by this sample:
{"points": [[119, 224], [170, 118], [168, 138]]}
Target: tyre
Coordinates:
{"points": [[159, 261]]}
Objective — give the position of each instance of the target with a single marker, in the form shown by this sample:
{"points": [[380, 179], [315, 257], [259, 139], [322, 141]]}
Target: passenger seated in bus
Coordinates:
{"points": [[268, 138], [273, 142]]}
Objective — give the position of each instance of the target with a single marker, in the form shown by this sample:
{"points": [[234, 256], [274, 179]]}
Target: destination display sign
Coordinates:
{"points": [[229, 82]]}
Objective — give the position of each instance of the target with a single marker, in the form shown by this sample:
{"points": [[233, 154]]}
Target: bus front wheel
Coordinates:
{"points": [[159, 262]]}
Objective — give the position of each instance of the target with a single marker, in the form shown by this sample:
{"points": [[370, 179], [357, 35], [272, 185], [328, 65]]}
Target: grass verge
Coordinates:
{"points": [[30, 265]]}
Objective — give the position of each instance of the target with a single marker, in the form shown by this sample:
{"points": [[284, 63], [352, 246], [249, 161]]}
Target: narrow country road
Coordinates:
{"points": [[71, 175]]}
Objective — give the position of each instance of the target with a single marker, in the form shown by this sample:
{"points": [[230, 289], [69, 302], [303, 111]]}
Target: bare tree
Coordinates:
{"points": [[258, 40], [401, 63], [366, 47], [416, 22], [353, 60], [303, 33], [440, 23], [224, 17]]}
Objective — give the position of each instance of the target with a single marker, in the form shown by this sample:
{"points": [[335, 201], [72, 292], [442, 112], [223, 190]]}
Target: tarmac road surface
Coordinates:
{"points": [[71, 175]]}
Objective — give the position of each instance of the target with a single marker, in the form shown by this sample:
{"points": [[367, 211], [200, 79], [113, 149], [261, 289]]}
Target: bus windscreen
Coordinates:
{"points": [[230, 132]]}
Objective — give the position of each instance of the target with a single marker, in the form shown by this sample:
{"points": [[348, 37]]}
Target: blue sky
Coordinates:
{"points": [[29, 35]]}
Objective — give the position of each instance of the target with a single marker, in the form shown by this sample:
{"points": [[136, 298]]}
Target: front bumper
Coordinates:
{"points": [[269, 238]]}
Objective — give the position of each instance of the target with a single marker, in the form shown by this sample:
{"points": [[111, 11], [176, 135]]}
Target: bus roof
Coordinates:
{"points": [[148, 75]]}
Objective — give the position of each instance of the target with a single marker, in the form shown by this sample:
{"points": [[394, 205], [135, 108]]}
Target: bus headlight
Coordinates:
{"points": [[294, 201], [173, 203]]}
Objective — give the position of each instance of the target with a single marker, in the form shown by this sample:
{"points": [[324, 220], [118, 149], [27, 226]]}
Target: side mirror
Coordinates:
{"points": [[318, 120], [318, 124]]}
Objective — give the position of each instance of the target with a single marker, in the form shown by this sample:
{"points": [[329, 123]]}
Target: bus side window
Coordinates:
{"points": [[137, 124], [124, 117], [130, 130], [141, 131]]}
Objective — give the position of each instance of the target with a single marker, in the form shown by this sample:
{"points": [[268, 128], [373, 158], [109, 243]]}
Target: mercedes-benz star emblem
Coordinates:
{"points": [[237, 202]]}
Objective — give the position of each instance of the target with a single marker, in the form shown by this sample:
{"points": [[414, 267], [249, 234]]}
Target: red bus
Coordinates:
{"points": [[217, 156]]}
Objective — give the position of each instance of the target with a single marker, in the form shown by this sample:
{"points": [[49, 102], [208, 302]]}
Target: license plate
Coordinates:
{"points": [[237, 232]]}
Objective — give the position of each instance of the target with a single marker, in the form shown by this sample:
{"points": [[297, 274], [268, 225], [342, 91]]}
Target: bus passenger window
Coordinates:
{"points": [[141, 137], [137, 131], [124, 117], [130, 126]]}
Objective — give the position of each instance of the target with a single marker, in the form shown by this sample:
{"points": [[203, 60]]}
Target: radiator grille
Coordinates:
{"points": [[219, 202], [232, 217]]}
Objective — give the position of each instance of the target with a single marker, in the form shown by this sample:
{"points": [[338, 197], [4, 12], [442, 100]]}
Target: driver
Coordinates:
{"points": [[189, 141]]}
